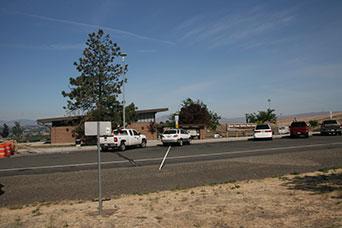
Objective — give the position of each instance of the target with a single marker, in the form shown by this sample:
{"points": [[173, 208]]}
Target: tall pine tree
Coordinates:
{"points": [[95, 91]]}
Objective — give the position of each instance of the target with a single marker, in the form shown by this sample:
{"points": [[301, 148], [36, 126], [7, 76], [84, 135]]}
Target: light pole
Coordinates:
{"points": [[123, 55], [269, 103]]}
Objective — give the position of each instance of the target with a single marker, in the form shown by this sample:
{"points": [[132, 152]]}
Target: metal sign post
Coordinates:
{"points": [[96, 129], [99, 168]]}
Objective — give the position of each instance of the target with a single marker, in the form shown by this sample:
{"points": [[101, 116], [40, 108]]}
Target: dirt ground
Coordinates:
{"points": [[297, 200]]}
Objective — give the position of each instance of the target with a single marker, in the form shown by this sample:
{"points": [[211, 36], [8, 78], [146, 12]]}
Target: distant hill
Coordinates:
{"points": [[318, 116], [282, 120], [162, 118], [23, 122], [224, 120]]}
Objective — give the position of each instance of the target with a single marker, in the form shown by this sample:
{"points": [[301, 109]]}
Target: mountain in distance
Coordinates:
{"points": [[23, 122], [283, 118], [163, 118]]}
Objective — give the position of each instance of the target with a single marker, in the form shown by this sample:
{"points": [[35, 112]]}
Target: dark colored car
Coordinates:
{"points": [[299, 128], [331, 127]]}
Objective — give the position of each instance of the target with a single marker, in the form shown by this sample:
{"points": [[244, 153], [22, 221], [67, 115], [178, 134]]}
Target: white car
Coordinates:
{"points": [[283, 130], [175, 136], [194, 133], [263, 131]]}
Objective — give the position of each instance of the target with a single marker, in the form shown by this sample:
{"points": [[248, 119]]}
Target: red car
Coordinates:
{"points": [[299, 128]]}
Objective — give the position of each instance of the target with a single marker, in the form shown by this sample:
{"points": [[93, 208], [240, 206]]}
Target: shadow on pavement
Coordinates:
{"points": [[1, 192], [127, 158], [261, 139], [324, 183]]}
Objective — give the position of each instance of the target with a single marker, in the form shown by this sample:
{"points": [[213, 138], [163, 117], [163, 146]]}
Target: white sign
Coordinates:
{"points": [[90, 128]]}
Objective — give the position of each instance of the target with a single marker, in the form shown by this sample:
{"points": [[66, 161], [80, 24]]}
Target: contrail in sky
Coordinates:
{"points": [[75, 23]]}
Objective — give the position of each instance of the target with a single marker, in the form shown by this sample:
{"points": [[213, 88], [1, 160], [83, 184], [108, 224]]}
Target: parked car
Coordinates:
{"points": [[175, 136], [283, 130], [331, 127], [122, 138], [194, 133], [298, 129], [263, 131]]}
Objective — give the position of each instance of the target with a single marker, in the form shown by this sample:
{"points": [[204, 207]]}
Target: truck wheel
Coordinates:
{"points": [[122, 147], [180, 142], [104, 149], [143, 143]]}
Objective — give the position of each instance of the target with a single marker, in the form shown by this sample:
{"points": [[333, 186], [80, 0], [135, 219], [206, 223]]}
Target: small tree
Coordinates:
{"points": [[262, 117], [5, 131], [130, 113], [17, 131], [196, 112], [313, 123]]}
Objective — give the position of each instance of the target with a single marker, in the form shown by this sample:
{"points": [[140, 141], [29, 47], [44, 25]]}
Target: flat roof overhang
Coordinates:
{"points": [[79, 117]]}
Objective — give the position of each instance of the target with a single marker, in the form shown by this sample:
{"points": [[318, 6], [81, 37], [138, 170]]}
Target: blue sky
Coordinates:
{"points": [[233, 55]]}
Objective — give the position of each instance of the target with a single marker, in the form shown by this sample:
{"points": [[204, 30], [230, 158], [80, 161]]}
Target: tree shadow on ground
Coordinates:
{"points": [[320, 184], [1, 186]]}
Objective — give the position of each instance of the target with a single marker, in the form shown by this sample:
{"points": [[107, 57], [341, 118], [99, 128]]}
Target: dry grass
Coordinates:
{"points": [[310, 200], [286, 121]]}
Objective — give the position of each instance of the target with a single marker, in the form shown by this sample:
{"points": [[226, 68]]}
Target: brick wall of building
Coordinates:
{"points": [[62, 134], [144, 128]]}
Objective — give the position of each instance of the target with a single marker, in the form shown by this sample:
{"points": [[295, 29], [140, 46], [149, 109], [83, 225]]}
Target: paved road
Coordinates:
{"points": [[58, 177]]}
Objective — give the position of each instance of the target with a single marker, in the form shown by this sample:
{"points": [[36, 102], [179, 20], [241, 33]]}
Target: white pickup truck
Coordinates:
{"points": [[121, 138]]}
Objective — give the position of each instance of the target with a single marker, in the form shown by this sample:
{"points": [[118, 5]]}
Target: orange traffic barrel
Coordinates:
{"points": [[13, 146], [8, 148], [3, 152]]}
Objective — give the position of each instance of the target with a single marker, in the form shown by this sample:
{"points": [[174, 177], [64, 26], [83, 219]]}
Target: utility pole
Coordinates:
{"points": [[123, 55]]}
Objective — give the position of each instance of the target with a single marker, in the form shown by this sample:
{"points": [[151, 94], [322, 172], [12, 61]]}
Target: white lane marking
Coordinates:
{"points": [[171, 158]]}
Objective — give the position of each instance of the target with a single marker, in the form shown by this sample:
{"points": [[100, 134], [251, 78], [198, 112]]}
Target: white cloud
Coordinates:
{"points": [[244, 27]]}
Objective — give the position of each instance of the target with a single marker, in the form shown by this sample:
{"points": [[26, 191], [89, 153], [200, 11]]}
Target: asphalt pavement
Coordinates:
{"points": [[73, 176]]}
